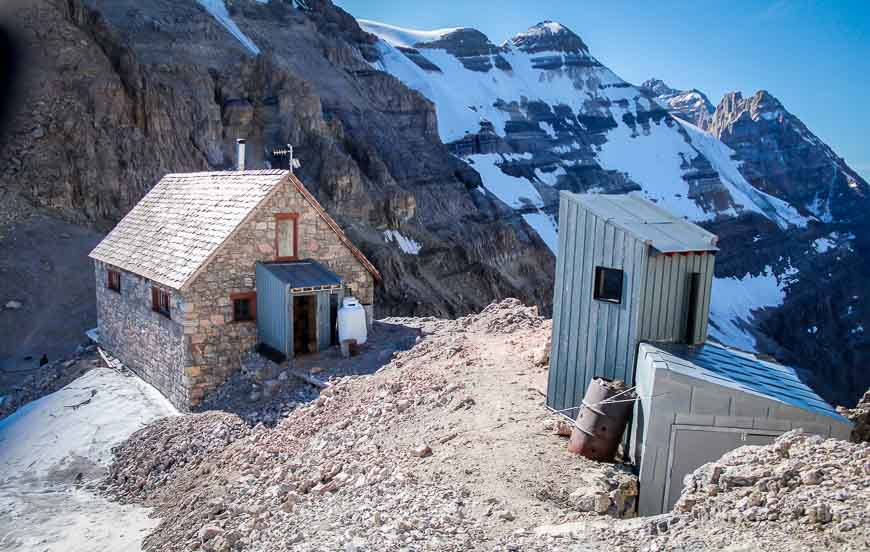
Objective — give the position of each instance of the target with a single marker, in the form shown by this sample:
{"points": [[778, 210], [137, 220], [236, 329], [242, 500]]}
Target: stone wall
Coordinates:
{"points": [[215, 342], [147, 342]]}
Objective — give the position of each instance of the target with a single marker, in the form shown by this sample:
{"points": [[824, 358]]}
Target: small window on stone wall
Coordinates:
{"points": [[160, 301], [244, 307], [114, 280], [286, 236]]}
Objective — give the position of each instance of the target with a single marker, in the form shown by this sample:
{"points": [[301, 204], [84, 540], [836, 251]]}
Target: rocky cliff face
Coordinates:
{"points": [[443, 154], [822, 324], [123, 92], [782, 157]]}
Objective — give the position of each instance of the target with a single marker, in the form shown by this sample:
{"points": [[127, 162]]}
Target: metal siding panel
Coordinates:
{"points": [[563, 363], [668, 298], [594, 333], [705, 311], [323, 331], [605, 309], [641, 260], [585, 237], [618, 313], [565, 220], [678, 326], [656, 291], [649, 278], [631, 294], [288, 325]]}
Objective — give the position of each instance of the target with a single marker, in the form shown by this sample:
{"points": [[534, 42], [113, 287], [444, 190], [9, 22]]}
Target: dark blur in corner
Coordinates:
{"points": [[11, 57]]}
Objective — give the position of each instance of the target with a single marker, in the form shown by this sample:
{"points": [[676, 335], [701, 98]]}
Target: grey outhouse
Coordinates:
{"points": [[699, 402], [626, 271], [297, 306]]}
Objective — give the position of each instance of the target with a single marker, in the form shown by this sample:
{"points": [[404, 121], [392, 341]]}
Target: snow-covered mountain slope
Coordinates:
{"points": [[566, 113], [540, 113]]}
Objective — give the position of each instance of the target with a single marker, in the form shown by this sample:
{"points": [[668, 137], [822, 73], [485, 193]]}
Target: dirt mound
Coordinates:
{"points": [[441, 449], [154, 455], [506, 316], [802, 492]]}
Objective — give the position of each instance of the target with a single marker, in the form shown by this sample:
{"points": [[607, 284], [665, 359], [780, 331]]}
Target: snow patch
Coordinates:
{"points": [[517, 193], [401, 36], [46, 443], [405, 243], [545, 226], [734, 302], [743, 193], [218, 10]]}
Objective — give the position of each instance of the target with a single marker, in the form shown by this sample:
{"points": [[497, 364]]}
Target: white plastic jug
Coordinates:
{"points": [[352, 321]]}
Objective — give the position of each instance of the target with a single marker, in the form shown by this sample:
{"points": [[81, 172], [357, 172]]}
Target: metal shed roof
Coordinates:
{"points": [[303, 274], [648, 222], [745, 372]]}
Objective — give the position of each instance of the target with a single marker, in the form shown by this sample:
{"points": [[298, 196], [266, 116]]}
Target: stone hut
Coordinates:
{"points": [[176, 278]]}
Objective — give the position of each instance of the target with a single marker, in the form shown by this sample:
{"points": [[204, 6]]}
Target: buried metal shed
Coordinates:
{"points": [[297, 305], [626, 271], [699, 402]]}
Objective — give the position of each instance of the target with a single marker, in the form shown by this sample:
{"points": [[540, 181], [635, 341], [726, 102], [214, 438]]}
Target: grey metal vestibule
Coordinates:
{"points": [[627, 271], [297, 306]]}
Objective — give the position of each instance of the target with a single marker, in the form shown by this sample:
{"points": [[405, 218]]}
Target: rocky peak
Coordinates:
{"points": [[689, 105], [783, 157], [549, 36], [658, 87], [471, 47]]}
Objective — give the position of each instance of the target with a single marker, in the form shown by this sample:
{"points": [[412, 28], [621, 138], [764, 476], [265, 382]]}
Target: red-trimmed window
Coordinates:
{"points": [[244, 306], [113, 280], [160, 301], [286, 236]]}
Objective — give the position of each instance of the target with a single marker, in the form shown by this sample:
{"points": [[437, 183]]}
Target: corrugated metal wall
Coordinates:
{"points": [[665, 299], [592, 338], [274, 316]]}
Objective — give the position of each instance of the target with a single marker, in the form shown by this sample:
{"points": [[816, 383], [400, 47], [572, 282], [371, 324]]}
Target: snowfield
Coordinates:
{"points": [[734, 302], [50, 452], [658, 158]]}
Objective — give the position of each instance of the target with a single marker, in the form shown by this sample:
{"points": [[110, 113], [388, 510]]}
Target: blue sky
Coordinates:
{"points": [[813, 56]]}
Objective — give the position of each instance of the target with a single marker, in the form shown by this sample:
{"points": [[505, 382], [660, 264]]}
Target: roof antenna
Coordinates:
{"points": [[292, 162]]}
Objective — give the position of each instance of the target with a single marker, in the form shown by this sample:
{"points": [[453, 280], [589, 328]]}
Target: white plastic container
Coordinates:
{"points": [[352, 321]]}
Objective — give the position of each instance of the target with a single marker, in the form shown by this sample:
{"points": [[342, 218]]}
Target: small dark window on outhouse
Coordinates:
{"points": [[114, 280], [244, 307], [608, 284]]}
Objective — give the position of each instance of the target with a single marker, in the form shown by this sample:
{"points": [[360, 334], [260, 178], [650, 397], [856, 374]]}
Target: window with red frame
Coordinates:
{"points": [[286, 236], [160, 301]]}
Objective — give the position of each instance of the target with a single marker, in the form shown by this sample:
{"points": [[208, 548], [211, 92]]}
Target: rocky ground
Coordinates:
{"points": [[447, 447], [802, 492], [441, 442]]}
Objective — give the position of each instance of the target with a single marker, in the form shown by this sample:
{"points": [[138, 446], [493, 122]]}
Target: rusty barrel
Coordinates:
{"points": [[599, 426]]}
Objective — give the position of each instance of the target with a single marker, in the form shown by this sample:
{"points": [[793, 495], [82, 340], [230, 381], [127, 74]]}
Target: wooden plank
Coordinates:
{"points": [[308, 378]]}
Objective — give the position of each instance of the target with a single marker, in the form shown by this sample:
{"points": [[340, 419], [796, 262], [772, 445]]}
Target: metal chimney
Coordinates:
{"points": [[240, 154]]}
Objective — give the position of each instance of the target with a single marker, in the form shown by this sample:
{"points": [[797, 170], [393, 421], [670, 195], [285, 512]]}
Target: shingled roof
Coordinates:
{"points": [[182, 222]]}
